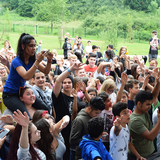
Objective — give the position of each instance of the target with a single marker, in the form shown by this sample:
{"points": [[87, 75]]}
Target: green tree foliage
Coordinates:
{"points": [[139, 5], [153, 7], [25, 8], [129, 27]]}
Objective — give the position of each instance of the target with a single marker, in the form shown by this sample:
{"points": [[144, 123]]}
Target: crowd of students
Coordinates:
{"points": [[104, 107]]}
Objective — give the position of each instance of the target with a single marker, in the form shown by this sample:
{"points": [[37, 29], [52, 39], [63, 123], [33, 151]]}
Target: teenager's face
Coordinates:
{"points": [[153, 63], [126, 115], [108, 103], [138, 70], [92, 61], [30, 48], [92, 94], [124, 98], [135, 89], [2, 71], [35, 134], [40, 79], [59, 62], [144, 108], [52, 128], [123, 50], [89, 43], [103, 71], [28, 97], [110, 90], [81, 73], [94, 113], [72, 61], [67, 84]]}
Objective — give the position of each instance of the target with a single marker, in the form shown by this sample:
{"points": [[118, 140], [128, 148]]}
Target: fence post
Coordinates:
{"points": [[72, 32], [36, 30], [48, 29], [97, 32], [85, 32], [139, 37]]}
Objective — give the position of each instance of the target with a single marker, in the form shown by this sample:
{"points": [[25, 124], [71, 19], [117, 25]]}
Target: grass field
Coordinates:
{"points": [[51, 42]]}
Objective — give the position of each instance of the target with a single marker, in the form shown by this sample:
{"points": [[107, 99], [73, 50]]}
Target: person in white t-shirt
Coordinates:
{"points": [[88, 48], [119, 134]]}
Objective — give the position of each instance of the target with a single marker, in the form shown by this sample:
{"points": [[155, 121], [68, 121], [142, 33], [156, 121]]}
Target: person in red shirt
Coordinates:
{"points": [[91, 67]]}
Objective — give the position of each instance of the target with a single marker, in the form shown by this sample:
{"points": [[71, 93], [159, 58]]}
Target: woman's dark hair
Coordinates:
{"points": [[85, 80], [101, 79], [91, 89], [15, 142], [134, 70], [37, 115], [44, 144], [24, 39], [109, 54], [22, 90]]}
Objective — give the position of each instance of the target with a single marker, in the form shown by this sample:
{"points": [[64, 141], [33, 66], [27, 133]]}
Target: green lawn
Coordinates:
{"points": [[51, 42]]}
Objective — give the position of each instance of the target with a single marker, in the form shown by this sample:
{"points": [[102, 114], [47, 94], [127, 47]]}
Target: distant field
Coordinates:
{"points": [[51, 42]]}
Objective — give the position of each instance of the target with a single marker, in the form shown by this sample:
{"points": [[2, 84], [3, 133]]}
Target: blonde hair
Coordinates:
{"points": [[60, 58], [106, 85], [8, 43], [54, 52], [73, 56]]}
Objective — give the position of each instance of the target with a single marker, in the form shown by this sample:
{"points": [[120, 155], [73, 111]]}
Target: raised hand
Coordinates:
{"points": [[117, 122], [65, 122], [7, 119], [21, 119], [124, 78], [141, 79], [40, 56], [76, 66], [81, 86], [4, 60], [74, 92]]}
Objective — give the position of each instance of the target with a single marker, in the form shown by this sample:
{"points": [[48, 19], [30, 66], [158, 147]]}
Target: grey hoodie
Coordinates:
{"points": [[45, 96]]}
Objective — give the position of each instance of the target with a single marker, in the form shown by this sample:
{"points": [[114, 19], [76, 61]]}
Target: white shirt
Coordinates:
{"points": [[96, 74], [155, 120], [88, 49], [119, 144]]}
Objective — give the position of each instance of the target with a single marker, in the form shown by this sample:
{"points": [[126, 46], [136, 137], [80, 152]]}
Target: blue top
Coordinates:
{"points": [[15, 81], [91, 149], [106, 60]]}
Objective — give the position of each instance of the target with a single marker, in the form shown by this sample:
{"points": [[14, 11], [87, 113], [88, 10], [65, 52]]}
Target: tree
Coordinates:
{"points": [[25, 8], [153, 7], [129, 27], [51, 10], [140, 5]]}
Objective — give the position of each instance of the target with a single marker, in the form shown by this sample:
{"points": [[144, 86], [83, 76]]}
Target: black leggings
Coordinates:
{"points": [[12, 102]]}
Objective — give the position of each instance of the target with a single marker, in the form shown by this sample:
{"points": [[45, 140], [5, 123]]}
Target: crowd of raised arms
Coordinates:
{"points": [[84, 104]]}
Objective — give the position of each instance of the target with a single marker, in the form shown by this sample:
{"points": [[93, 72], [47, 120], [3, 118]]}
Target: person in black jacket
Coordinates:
{"points": [[67, 46]]}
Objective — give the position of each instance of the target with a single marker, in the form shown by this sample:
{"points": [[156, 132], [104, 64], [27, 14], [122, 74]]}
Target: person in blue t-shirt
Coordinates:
{"points": [[23, 68]]}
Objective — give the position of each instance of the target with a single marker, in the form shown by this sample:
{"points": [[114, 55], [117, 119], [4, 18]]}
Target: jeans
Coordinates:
{"points": [[72, 154], [151, 56], [12, 102]]}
